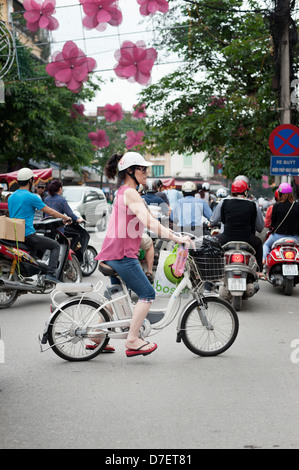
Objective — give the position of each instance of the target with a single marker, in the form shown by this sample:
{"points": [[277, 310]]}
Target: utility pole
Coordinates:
{"points": [[283, 13]]}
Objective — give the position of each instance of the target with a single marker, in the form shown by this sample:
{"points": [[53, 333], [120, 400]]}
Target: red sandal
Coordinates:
{"points": [[138, 352]]}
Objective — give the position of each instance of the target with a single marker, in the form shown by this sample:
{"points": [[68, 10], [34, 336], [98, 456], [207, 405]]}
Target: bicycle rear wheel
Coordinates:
{"points": [[211, 328], [68, 334]]}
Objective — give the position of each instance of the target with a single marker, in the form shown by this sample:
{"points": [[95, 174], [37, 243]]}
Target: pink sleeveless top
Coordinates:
{"points": [[124, 232]]}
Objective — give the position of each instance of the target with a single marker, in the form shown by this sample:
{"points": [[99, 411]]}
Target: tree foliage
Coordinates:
{"points": [[219, 99]]}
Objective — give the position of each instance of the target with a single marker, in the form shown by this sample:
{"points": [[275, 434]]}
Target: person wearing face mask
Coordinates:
{"points": [[22, 204]]}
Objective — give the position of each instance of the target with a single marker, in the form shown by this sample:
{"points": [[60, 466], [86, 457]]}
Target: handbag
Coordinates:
{"points": [[274, 231]]}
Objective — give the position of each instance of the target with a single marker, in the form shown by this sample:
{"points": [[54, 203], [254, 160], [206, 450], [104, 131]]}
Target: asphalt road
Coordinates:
{"points": [[171, 400]]}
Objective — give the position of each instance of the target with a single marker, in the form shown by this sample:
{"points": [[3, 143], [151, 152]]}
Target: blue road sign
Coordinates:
{"points": [[284, 165]]}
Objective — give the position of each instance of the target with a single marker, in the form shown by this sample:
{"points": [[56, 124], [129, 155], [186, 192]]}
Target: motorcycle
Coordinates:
{"points": [[84, 252], [281, 268], [240, 274], [24, 269]]}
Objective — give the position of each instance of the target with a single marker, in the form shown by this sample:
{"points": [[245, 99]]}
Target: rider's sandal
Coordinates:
{"points": [[138, 352], [107, 349]]}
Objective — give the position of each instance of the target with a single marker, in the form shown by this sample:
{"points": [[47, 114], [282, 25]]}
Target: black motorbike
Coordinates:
{"points": [[80, 245], [24, 269]]}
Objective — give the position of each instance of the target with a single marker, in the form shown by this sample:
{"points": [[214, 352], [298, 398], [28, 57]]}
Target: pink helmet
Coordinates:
{"points": [[285, 188]]}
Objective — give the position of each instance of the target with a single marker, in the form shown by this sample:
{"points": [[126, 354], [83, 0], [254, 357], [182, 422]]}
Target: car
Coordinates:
{"points": [[90, 202]]}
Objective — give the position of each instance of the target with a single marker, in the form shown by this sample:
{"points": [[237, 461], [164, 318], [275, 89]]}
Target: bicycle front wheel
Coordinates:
{"points": [[211, 328], [73, 333]]}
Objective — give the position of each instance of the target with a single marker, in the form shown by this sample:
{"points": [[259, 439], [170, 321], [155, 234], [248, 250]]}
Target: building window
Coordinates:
{"points": [[188, 160], [157, 170]]}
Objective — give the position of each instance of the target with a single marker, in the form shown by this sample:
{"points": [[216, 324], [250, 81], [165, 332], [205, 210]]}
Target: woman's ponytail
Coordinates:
{"points": [[111, 169]]}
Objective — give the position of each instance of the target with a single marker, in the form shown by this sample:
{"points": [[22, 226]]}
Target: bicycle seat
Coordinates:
{"points": [[106, 270]]}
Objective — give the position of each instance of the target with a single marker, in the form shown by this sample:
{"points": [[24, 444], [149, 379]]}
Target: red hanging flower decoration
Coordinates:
{"points": [[99, 139], [77, 109], [40, 15], [139, 111], [135, 62], [113, 112], [134, 139], [70, 67], [150, 7], [99, 13]]}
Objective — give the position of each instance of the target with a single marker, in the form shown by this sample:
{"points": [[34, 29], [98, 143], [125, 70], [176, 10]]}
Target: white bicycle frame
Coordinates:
{"points": [[107, 329]]}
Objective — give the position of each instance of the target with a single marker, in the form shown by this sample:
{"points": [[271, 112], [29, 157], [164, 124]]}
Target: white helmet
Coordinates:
{"points": [[25, 174], [131, 159], [206, 186], [189, 187], [221, 192]]}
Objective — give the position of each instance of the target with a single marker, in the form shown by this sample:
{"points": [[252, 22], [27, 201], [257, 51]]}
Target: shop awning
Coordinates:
{"points": [[44, 175]]}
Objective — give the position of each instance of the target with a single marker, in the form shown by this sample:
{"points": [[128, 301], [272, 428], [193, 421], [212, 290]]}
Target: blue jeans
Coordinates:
{"points": [[273, 237], [134, 277]]}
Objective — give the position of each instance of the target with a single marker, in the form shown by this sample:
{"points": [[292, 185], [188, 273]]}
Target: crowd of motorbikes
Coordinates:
{"points": [[23, 270]]}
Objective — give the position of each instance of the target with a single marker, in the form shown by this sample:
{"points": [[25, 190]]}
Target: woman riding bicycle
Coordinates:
{"points": [[121, 244]]}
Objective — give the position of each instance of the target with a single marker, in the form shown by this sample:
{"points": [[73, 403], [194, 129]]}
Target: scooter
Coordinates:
{"points": [[23, 269], [84, 252], [281, 268], [240, 274]]}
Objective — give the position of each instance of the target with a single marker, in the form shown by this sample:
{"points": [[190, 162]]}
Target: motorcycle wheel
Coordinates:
{"points": [[287, 288], [8, 297], [237, 302], [89, 263], [72, 271]]}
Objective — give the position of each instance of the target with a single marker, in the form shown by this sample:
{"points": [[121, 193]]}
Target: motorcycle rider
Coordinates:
{"points": [[285, 218], [155, 204], [22, 204], [187, 212], [216, 217], [239, 218], [268, 215], [56, 201], [160, 192]]}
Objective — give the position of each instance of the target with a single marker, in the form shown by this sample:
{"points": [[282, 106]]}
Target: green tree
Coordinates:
{"points": [[220, 98]]}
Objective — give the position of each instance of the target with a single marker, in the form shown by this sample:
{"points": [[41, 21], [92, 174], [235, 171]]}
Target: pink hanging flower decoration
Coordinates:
{"points": [[99, 13], [99, 139], [77, 109], [150, 7], [134, 140], [113, 112], [70, 67], [40, 15], [139, 111], [135, 62]]}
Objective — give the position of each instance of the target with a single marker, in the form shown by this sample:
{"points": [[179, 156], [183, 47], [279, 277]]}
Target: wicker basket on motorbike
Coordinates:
{"points": [[208, 258]]}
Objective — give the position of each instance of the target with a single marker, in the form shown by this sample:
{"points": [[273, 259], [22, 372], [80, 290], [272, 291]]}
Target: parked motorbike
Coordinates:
{"points": [[281, 268], [241, 273], [23, 269], [84, 252]]}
